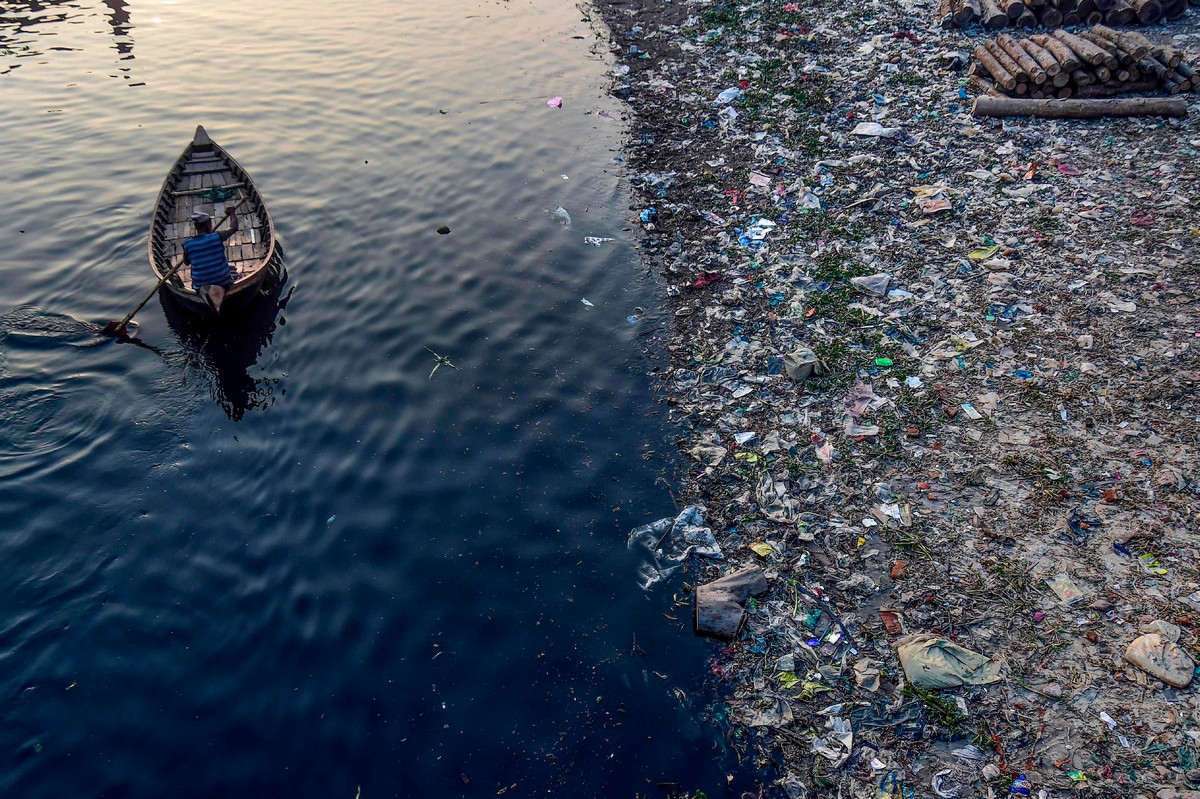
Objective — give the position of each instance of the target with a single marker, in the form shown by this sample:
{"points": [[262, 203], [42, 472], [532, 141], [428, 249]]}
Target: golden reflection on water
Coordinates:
{"points": [[32, 29]]}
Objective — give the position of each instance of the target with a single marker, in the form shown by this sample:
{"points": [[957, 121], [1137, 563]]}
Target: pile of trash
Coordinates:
{"points": [[937, 382]]}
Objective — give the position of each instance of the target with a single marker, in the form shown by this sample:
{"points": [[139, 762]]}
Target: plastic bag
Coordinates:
{"points": [[1157, 654], [670, 541], [931, 661]]}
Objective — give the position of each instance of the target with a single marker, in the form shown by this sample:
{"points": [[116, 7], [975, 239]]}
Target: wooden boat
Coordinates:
{"points": [[206, 178]]}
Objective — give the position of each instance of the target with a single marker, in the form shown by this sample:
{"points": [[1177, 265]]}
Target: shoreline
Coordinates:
{"points": [[1003, 333]]}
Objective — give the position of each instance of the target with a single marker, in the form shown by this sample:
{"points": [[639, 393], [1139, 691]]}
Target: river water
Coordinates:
{"points": [[279, 559]]}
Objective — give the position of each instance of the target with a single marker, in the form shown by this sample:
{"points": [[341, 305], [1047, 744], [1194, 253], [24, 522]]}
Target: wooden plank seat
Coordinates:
{"points": [[204, 168], [187, 192]]}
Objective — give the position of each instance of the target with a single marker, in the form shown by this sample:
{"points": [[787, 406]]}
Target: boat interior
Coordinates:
{"points": [[208, 183]]}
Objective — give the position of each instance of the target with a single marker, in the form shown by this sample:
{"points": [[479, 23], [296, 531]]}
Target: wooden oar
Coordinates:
{"points": [[118, 328]]}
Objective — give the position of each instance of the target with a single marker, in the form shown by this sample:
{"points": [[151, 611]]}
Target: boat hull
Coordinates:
{"points": [[206, 178], [235, 301]]}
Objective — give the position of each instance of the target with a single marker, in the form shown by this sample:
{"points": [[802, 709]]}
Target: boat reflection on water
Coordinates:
{"points": [[224, 351]]}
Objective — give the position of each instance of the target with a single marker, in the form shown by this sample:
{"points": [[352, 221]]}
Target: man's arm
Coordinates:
{"points": [[231, 214]]}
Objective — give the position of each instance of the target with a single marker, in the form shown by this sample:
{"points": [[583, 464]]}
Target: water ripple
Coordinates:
{"points": [[277, 544]]}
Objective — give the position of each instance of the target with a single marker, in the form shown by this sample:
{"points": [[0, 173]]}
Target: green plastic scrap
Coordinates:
{"points": [[219, 193], [983, 253], [811, 689], [788, 679], [1188, 759]]}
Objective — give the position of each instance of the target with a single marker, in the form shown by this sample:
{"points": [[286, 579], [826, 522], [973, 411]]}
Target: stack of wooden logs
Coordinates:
{"points": [[996, 14], [1100, 62]]}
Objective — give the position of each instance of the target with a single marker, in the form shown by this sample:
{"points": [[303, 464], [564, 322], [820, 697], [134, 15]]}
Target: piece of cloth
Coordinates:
{"points": [[206, 254], [931, 661]]}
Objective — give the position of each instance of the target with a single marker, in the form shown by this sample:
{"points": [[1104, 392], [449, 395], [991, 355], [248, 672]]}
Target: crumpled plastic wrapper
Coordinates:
{"points": [[668, 542], [774, 502], [708, 454], [777, 714], [838, 744], [866, 674]]}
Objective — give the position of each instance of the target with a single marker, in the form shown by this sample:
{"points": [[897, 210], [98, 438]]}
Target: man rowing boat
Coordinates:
{"points": [[205, 254]]}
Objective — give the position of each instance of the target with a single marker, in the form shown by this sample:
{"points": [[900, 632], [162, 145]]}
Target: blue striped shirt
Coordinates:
{"points": [[206, 254]]}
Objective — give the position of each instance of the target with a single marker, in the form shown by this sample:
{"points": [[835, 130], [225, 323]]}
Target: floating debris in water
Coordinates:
{"points": [[442, 360]]}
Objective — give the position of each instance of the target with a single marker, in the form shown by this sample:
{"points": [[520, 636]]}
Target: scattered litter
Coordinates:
{"points": [[1020, 786], [1150, 565], [918, 362], [952, 782], [596, 241], [838, 742], [708, 454], [970, 411]]}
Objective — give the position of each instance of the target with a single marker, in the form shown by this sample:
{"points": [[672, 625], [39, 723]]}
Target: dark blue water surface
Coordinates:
{"points": [[277, 559]]}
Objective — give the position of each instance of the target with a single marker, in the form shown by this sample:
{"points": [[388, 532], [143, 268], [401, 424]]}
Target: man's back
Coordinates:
{"points": [[206, 254]]}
